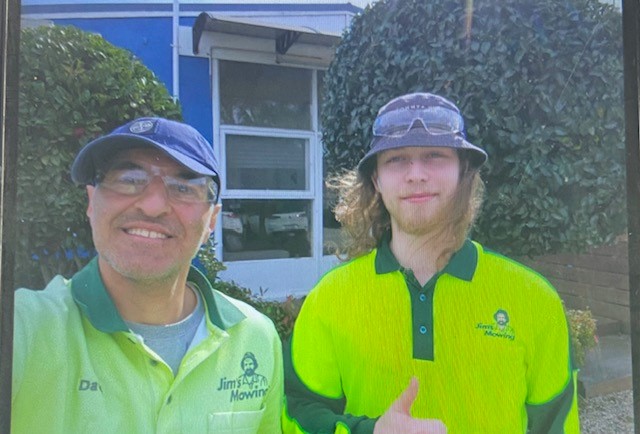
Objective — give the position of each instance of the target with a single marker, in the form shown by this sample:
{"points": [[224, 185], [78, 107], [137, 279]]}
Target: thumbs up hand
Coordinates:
{"points": [[397, 419]]}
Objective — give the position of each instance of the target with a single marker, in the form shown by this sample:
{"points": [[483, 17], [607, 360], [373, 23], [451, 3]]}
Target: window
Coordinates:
{"points": [[266, 229], [265, 95], [267, 142], [266, 163]]}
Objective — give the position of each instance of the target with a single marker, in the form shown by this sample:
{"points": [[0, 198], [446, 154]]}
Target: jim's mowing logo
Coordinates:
{"points": [[500, 328], [248, 385]]}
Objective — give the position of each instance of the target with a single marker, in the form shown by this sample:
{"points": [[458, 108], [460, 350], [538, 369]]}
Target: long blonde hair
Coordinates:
{"points": [[365, 219]]}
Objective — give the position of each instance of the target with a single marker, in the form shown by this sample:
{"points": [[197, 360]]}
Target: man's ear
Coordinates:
{"points": [[212, 224], [375, 179], [90, 190], [214, 217]]}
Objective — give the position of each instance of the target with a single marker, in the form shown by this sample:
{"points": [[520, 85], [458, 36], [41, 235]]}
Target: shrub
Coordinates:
{"points": [[282, 313], [540, 85], [74, 86], [582, 326]]}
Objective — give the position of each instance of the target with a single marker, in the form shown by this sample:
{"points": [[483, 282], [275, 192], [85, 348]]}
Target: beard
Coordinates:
{"points": [[422, 221]]}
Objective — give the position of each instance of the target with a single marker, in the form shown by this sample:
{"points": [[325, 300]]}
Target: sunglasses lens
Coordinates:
{"points": [[436, 120]]}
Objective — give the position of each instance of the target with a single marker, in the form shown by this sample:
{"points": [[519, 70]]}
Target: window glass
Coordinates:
{"points": [[266, 163], [266, 229], [265, 95]]}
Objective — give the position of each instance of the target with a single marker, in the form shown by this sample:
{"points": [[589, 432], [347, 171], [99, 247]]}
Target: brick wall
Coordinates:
{"points": [[598, 279]]}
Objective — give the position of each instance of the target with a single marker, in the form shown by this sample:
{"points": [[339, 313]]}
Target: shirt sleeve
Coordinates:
{"points": [[552, 406], [315, 401]]}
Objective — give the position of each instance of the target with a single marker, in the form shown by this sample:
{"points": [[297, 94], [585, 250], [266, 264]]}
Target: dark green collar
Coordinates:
{"points": [[461, 265], [95, 303]]}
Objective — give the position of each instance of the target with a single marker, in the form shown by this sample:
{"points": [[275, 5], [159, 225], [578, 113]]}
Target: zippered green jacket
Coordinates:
{"points": [[486, 337], [79, 369]]}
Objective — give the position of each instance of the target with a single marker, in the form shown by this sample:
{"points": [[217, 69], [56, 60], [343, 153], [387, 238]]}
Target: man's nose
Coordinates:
{"points": [[154, 199], [417, 170]]}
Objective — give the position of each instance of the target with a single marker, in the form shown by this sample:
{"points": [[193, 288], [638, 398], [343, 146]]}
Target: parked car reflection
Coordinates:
{"points": [[260, 229]]}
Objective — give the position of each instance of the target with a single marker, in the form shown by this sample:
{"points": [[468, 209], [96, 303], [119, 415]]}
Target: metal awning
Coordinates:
{"points": [[284, 36]]}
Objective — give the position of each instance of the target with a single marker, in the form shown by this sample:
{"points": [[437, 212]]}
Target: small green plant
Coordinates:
{"points": [[583, 334], [282, 313]]}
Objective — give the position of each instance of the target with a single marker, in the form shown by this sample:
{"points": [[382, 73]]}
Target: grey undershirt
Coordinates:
{"points": [[171, 341]]}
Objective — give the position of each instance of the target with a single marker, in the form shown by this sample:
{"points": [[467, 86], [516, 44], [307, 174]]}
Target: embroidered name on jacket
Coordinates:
{"points": [[249, 385], [500, 328]]}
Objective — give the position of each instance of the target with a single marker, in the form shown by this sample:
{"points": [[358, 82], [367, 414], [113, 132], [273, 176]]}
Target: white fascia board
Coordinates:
{"points": [[245, 48]]}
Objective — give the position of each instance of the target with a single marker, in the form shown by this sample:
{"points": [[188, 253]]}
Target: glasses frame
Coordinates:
{"points": [[438, 121], [212, 185]]}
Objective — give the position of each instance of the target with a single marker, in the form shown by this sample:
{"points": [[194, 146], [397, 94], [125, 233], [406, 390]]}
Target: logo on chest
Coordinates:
{"points": [[499, 328], [249, 385]]}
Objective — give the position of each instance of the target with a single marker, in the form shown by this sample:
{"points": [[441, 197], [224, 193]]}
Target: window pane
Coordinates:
{"points": [[266, 163], [266, 229], [265, 95]]}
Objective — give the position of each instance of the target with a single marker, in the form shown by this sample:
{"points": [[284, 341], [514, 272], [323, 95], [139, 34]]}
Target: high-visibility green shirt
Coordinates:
{"points": [[79, 369], [486, 337]]}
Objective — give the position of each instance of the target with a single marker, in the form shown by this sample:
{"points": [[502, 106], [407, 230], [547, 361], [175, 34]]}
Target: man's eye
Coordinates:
{"points": [[184, 189], [436, 155], [396, 159], [131, 178]]}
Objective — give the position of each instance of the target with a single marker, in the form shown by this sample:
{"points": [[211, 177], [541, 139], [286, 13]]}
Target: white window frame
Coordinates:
{"points": [[310, 162]]}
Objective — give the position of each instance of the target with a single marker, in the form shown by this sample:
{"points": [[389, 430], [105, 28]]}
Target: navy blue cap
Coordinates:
{"points": [[419, 135], [180, 141]]}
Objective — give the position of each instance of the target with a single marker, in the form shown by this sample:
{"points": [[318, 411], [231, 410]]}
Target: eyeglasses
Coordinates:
{"points": [[133, 181], [435, 120]]}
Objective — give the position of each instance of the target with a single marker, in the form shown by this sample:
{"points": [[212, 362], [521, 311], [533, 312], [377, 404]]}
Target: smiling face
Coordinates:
{"points": [[417, 186], [147, 236]]}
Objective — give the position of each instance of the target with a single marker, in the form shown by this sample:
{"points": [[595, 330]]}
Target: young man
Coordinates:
{"points": [[423, 330], [138, 341]]}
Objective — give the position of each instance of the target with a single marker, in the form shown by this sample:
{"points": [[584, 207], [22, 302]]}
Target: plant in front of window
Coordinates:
{"points": [[74, 86], [540, 87]]}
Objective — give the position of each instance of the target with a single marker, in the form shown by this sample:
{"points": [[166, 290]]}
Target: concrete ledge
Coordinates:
{"points": [[606, 387], [607, 326], [607, 368]]}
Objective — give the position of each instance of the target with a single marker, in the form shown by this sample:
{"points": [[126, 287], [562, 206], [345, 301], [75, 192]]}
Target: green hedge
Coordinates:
{"points": [[282, 313], [540, 85], [74, 87]]}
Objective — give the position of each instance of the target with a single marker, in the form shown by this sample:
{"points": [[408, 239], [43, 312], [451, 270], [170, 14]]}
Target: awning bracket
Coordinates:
{"points": [[285, 40]]}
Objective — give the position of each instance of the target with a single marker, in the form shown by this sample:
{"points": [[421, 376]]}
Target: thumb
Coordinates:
{"points": [[405, 400]]}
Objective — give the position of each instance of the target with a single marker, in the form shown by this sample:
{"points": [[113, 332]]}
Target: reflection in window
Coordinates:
{"points": [[266, 163], [265, 95], [266, 229]]}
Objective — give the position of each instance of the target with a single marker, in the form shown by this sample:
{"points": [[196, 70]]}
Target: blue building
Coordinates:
{"points": [[249, 77]]}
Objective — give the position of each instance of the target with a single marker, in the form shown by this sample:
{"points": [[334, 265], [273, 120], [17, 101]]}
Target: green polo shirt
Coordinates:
{"points": [[78, 368], [368, 327]]}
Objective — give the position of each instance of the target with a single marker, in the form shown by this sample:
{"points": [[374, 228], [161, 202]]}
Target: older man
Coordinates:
{"points": [[138, 341]]}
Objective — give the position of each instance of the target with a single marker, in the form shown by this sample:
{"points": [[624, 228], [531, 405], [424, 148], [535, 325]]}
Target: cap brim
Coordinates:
{"points": [[92, 155], [417, 137]]}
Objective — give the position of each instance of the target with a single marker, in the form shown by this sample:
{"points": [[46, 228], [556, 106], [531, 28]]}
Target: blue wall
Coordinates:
{"points": [[195, 95], [149, 39]]}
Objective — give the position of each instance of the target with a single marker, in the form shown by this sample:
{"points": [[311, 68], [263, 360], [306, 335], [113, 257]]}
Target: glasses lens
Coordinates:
{"points": [[131, 182], [436, 120], [126, 181], [190, 190]]}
